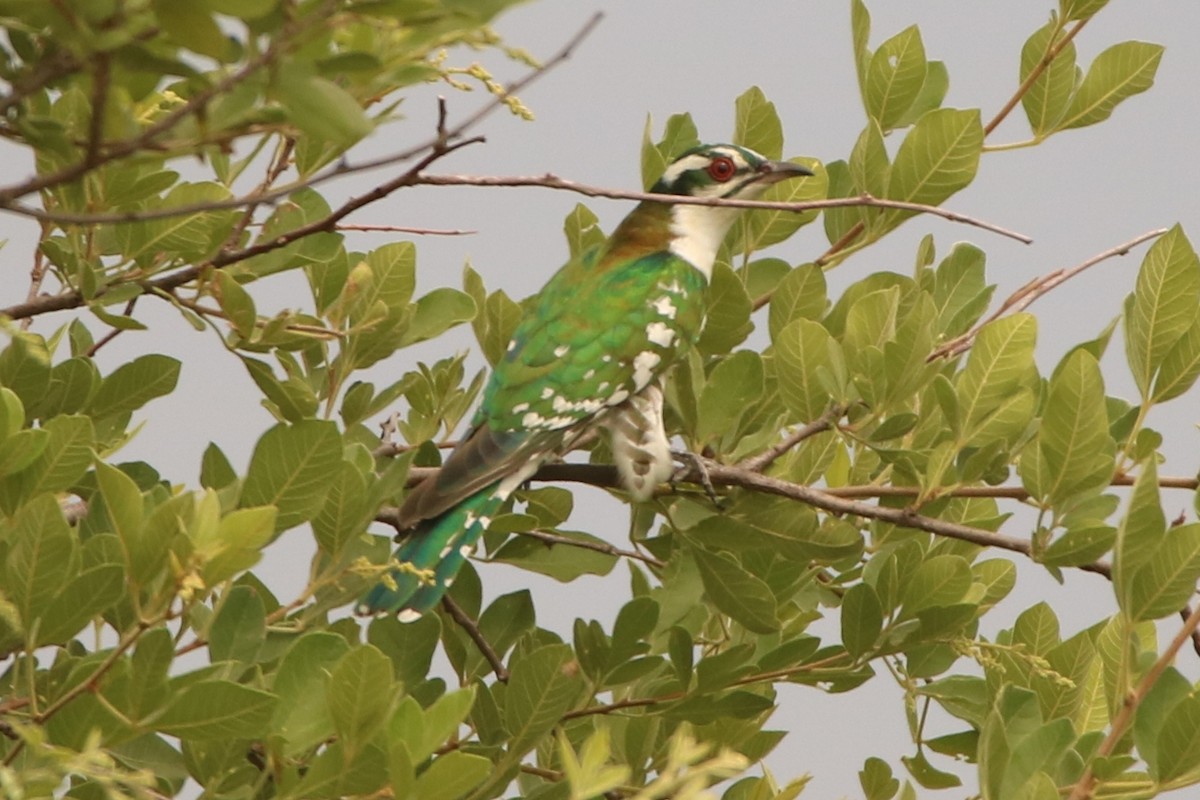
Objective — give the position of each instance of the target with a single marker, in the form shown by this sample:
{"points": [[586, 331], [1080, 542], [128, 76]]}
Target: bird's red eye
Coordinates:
{"points": [[721, 169]]}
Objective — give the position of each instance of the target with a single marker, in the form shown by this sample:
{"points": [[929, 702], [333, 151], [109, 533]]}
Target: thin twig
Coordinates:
{"points": [[1025, 296], [766, 458], [1185, 613], [115, 332], [599, 547], [1051, 53], [405, 229], [436, 147], [1120, 725], [472, 629], [551, 181]]}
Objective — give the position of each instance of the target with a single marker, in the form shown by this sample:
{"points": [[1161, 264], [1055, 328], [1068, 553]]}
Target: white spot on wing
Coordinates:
{"points": [[519, 407], [665, 307], [547, 393], [658, 333], [409, 615], [618, 397], [643, 368], [561, 350], [466, 550], [511, 344]]}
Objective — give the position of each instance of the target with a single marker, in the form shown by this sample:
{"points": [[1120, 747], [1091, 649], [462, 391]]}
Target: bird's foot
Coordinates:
{"points": [[693, 462]]}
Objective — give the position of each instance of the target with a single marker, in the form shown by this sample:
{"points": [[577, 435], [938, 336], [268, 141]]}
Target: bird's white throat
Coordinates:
{"points": [[697, 233]]}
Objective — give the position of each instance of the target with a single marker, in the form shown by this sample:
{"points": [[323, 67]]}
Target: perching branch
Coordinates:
{"points": [[1024, 297], [766, 458], [472, 629], [550, 181]]}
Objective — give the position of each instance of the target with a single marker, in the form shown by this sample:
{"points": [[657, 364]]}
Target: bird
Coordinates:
{"points": [[589, 353]]}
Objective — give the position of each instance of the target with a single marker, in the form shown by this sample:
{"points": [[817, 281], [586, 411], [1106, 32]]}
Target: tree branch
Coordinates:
{"points": [[821, 424], [472, 629], [1124, 719], [1048, 58], [551, 181], [1025, 296]]}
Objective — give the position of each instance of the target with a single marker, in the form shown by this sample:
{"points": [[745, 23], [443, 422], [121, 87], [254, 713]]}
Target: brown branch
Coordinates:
{"points": [[472, 629], [1120, 725], [115, 332], [1185, 613], [128, 147], [1048, 57], [599, 547], [404, 229], [436, 147], [766, 458], [1025, 296], [100, 85], [551, 181]]}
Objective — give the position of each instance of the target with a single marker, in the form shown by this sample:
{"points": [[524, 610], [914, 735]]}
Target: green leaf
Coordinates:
{"points": [[1117, 74], [215, 470], [939, 581], [436, 313], [1048, 96], [409, 646], [1180, 366], [217, 709], [1139, 534], [336, 772], [321, 108], [290, 470], [21, 449], [1074, 432], [1163, 585], [73, 384], [894, 77], [1002, 354], [360, 694], [302, 716], [728, 314], [803, 349], [236, 302], [345, 513], [25, 368], [937, 158], [563, 562], [452, 775], [1163, 306], [542, 687], [1080, 546], [756, 125], [862, 619], [145, 550], [42, 557], [876, 780], [757, 229], [735, 384], [194, 28], [132, 385], [239, 629], [1080, 9], [582, 229], [679, 136], [927, 775], [736, 592], [63, 461], [1179, 741], [800, 295]]}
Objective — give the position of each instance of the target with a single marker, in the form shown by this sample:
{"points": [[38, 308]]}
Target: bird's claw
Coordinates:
{"points": [[692, 462]]}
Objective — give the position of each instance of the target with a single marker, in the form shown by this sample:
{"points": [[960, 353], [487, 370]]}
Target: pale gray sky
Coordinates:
{"points": [[1081, 192]]}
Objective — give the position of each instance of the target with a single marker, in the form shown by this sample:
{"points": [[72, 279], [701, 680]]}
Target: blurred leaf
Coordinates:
{"points": [[542, 687], [736, 592], [937, 158], [290, 468], [217, 709], [321, 108], [360, 695], [452, 775], [130, 386], [801, 294], [802, 350]]}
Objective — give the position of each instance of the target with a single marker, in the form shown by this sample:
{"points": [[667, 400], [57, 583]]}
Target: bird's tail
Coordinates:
{"points": [[439, 546]]}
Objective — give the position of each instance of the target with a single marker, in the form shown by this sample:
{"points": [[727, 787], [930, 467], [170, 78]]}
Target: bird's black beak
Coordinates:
{"points": [[776, 171]]}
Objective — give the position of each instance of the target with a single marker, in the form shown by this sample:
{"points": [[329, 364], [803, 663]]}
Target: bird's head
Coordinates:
{"points": [[724, 170], [715, 170]]}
